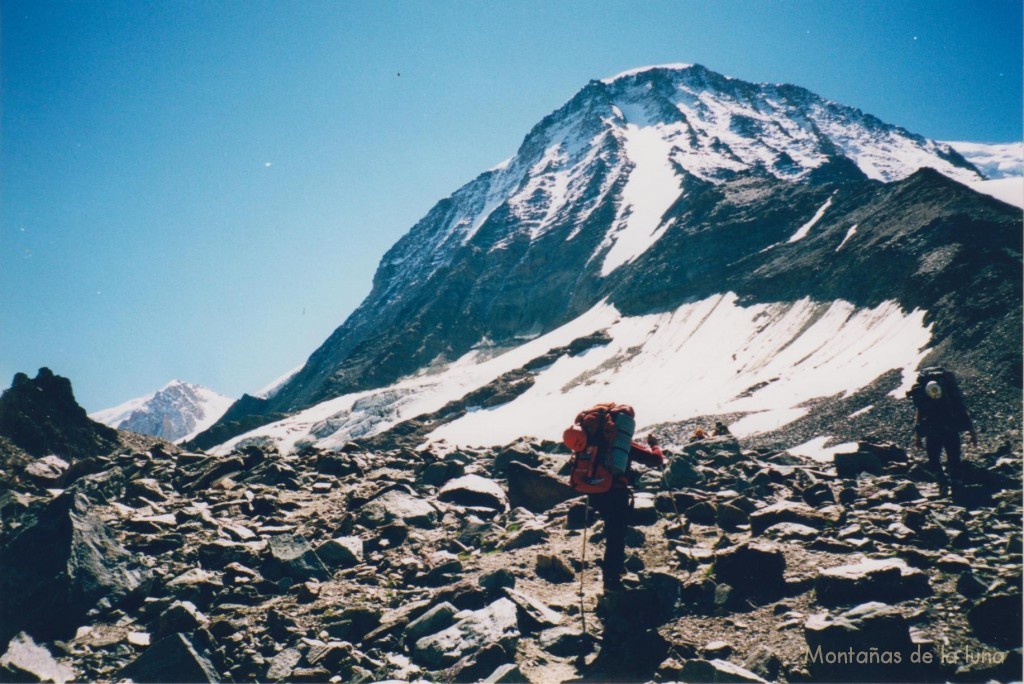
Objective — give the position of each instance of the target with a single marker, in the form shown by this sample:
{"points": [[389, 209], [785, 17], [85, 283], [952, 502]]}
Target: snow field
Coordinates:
{"points": [[704, 358]]}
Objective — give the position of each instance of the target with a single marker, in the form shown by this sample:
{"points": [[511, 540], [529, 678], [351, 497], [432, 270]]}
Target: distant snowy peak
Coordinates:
{"points": [[176, 413]]}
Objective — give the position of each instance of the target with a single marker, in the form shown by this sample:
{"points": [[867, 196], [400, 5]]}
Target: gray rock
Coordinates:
{"points": [[172, 659], [717, 671], [290, 555], [852, 464], [496, 580], [532, 613], [563, 642], [888, 580], [474, 490], [341, 552], [53, 572], [508, 673], [644, 513], [834, 642], [536, 490], [282, 664], [681, 472], [752, 568], [516, 453], [494, 624], [730, 517], [26, 661], [527, 536], [181, 616], [398, 505], [702, 513], [788, 531], [47, 471], [436, 619]]}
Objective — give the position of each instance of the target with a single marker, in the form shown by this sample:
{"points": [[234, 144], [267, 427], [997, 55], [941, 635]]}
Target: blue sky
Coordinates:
{"points": [[202, 190]]}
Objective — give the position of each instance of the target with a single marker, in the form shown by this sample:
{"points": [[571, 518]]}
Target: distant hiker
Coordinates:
{"points": [[721, 429], [698, 434], [941, 417], [601, 440]]}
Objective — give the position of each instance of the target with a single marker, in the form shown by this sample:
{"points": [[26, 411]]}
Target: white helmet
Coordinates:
{"points": [[933, 390]]}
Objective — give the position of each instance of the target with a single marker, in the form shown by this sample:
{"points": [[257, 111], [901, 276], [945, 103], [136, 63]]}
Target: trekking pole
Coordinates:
{"points": [[583, 568]]}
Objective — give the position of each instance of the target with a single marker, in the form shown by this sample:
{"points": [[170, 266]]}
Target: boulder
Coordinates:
{"points": [[474, 490], [47, 471], [493, 624], [398, 505], [644, 513], [290, 555], [173, 659], [341, 552], [889, 580], [681, 472], [752, 568], [536, 490], [55, 571], [182, 616], [26, 661], [438, 618], [564, 641], [868, 643], [532, 613]]}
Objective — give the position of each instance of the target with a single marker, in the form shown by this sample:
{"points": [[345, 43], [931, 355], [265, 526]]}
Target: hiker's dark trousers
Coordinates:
{"points": [[613, 507], [949, 440]]}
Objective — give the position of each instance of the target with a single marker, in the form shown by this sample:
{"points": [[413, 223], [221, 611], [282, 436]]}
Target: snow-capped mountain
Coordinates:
{"points": [[176, 413], [675, 201]]}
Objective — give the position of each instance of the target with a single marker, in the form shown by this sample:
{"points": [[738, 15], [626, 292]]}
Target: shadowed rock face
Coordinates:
{"points": [[58, 569], [42, 417]]}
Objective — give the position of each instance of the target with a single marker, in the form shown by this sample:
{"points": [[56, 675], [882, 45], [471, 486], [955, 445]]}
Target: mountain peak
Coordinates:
{"points": [[176, 412], [654, 67]]}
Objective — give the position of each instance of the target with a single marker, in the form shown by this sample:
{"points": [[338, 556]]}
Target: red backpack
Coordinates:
{"points": [[600, 440]]}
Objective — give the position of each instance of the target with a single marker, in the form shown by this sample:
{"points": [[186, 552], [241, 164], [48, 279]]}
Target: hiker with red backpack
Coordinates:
{"points": [[601, 440], [941, 417]]}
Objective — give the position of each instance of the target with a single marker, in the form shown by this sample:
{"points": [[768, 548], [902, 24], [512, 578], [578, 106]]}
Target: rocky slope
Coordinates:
{"points": [[380, 561]]}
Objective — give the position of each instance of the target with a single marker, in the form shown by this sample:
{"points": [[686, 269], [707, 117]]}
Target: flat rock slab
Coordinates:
{"points": [[870, 642], [497, 623], [717, 670], [889, 580]]}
